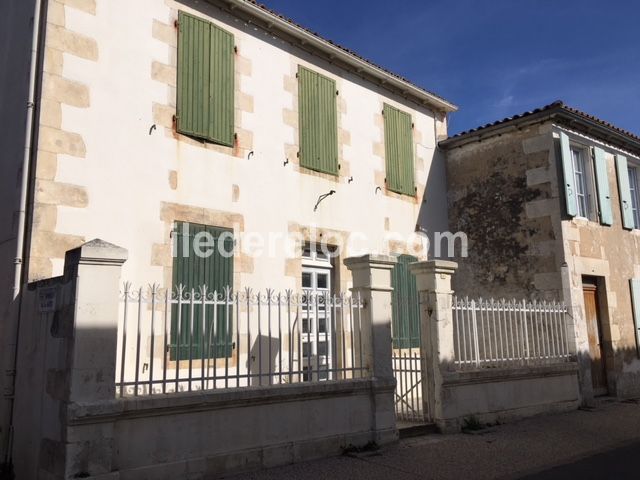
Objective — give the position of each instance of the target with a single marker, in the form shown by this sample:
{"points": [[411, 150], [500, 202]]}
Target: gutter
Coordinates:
{"points": [[38, 14], [272, 22], [26, 160]]}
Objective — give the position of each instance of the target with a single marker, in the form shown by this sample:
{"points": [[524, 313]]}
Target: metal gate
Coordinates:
{"points": [[408, 364], [407, 368]]}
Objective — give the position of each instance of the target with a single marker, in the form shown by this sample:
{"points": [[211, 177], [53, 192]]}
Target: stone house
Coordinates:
{"points": [[218, 114], [549, 200]]}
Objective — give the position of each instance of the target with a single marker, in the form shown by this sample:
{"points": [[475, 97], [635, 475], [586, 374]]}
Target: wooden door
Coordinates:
{"points": [[594, 330]]}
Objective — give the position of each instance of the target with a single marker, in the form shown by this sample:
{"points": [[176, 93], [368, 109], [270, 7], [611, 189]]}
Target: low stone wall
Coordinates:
{"points": [[69, 424], [497, 395], [205, 434]]}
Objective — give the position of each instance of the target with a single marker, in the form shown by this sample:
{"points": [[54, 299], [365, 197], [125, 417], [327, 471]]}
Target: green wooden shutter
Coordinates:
{"points": [[318, 127], [406, 310], [602, 183], [569, 176], [635, 298], [206, 76], [398, 139], [625, 192], [193, 272]]}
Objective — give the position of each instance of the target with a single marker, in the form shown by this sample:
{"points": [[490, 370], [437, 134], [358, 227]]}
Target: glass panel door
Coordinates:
{"points": [[316, 324]]}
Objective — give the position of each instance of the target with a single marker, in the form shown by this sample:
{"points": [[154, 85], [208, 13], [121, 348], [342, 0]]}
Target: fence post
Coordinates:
{"points": [[372, 283], [433, 280], [95, 269]]}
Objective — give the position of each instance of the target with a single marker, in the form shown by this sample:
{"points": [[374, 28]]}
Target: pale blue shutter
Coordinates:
{"points": [[635, 299], [625, 192], [604, 192], [569, 176]]}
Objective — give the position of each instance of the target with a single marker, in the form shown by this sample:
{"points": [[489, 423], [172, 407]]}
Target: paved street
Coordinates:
{"points": [[599, 443]]}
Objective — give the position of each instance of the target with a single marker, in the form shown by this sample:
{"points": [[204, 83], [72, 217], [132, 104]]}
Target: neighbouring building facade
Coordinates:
{"points": [[151, 117], [549, 201]]}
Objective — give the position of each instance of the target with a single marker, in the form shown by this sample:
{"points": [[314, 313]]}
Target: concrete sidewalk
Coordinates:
{"points": [[594, 443]]}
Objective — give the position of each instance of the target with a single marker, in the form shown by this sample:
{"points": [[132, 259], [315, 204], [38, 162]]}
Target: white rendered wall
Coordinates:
{"points": [[125, 171]]}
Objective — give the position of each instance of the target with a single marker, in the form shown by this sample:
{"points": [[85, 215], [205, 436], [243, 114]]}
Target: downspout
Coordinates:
{"points": [[22, 212], [26, 160]]}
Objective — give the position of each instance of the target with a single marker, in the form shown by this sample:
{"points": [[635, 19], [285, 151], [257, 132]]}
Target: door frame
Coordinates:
{"points": [[315, 264], [598, 285]]}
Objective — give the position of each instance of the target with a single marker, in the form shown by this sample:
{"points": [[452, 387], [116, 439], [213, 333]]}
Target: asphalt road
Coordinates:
{"points": [[619, 463], [602, 443]]}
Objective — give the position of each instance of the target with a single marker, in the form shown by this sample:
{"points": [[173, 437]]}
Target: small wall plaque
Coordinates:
{"points": [[47, 300]]}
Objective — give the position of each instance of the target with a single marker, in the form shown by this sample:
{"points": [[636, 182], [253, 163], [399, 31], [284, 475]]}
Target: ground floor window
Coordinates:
{"points": [[203, 258]]}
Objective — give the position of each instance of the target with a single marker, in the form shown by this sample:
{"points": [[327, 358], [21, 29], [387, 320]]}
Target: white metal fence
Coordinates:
{"points": [[185, 340], [489, 333]]}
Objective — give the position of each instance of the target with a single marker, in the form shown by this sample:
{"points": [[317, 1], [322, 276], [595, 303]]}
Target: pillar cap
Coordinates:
{"points": [[96, 252], [373, 260], [434, 266]]}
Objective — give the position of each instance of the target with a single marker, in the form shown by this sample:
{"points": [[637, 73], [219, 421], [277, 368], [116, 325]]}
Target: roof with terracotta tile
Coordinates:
{"points": [[557, 111]]}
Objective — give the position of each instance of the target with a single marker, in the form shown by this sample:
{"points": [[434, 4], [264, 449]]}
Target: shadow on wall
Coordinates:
{"points": [[433, 216], [616, 374], [262, 362]]}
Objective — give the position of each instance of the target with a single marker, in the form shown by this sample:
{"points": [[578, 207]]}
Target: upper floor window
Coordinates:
{"points": [[586, 181], [206, 75], [318, 118], [583, 172], [629, 192], [635, 195], [398, 140]]}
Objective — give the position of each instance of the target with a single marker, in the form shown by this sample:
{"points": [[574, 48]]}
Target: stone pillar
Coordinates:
{"points": [[96, 268], [433, 280], [372, 283]]}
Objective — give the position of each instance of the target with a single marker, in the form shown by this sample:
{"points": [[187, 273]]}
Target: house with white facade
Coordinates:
{"points": [[153, 124]]}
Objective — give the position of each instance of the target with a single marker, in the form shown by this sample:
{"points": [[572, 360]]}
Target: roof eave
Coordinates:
{"points": [[592, 127], [572, 119], [494, 130], [335, 54]]}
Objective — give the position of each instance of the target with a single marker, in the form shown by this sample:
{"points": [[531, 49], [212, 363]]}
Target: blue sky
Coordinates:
{"points": [[496, 58]]}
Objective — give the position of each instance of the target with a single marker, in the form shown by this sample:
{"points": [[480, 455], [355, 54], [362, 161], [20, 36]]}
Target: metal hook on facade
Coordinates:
{"points": [[250, 155], [321, 198], [378, 188], [153, 127], [350, 180], [286, 162]]}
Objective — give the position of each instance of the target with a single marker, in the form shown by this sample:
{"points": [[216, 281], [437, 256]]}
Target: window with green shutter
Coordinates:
{"points": [[196, 264], [318, 121], [206, 73], [406, 311], [398, 140]]}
